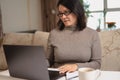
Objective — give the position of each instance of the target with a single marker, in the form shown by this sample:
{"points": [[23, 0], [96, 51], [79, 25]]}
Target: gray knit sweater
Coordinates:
{"points": [[69, 46]]}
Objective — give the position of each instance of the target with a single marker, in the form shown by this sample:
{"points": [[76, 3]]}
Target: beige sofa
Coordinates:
{"points": [[37, 38], [110, 43]]}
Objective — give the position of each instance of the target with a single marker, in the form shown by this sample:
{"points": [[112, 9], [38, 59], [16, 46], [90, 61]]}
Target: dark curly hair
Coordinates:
{"points": [[77, 8]]}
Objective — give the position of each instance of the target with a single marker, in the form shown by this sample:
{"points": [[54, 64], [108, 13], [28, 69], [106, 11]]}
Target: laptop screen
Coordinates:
{"points": [[27, 62]]}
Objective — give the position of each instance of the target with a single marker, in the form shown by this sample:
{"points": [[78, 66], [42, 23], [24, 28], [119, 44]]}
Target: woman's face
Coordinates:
{"points": [[67, 17]]}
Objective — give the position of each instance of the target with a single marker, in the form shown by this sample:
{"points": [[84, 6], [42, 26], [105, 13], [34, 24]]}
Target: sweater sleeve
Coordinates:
{"points": [[95, 61]]}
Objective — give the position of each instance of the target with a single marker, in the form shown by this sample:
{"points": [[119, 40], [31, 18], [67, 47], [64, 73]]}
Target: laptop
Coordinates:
{"points": [[28, 62]]}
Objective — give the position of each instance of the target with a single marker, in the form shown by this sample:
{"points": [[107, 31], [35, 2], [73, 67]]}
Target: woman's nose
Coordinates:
{"points": [[63, 16]]}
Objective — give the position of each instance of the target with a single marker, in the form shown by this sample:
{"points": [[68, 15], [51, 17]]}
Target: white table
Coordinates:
{"points": [[109, 75], [105, 75], [4, 75]]}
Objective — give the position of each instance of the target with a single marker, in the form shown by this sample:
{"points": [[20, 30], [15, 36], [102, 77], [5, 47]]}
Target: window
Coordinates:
{"points": [[96, 20], [101, 12], [113, 4]]}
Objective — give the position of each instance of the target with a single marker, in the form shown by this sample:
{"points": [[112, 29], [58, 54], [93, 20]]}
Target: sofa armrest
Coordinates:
{"points": [[110, 43], [18, 38], [3, 63]]}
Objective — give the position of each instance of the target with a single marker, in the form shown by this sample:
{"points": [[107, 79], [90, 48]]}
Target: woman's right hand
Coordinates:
{"points": [[68, 68]]}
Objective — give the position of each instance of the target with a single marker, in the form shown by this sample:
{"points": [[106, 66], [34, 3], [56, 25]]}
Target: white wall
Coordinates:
{"points": [[21, 15]]}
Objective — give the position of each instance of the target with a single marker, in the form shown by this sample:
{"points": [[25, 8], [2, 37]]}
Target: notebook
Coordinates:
{"points": [[28, 62]]}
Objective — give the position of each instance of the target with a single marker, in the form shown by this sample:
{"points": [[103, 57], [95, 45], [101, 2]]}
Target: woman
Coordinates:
{"points": [[72, 45]]}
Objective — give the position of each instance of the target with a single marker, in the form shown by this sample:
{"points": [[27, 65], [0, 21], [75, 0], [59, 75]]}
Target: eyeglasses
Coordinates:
{"points": [[66, 13]]}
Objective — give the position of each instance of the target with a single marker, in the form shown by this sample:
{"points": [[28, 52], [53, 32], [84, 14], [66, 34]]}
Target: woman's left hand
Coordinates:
{"points": [[68, 68]]}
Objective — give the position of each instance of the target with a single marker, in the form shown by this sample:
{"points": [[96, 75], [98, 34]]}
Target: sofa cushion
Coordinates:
{"points": [[110, 43], [41, 38]]}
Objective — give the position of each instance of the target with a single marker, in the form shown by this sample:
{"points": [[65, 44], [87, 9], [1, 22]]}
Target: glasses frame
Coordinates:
{"points": [[66, 13]]}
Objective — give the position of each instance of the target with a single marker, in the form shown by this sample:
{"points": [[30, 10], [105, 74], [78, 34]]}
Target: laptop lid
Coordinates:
{"points": [[27, 62]]}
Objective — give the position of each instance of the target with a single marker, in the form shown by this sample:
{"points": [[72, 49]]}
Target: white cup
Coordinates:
{"points": [[88, 73]]}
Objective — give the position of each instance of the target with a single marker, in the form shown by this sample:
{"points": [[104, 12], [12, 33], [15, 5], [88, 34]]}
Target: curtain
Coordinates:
{"points": [[1, 29], [49, 14]]}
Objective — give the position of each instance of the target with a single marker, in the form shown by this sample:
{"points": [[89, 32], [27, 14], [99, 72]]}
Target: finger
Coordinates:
{"points": [[63, 70], [61, 67]]}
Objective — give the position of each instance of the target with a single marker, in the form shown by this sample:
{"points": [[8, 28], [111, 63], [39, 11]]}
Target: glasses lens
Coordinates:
{"points": [[66, 13], [60, 14]]}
